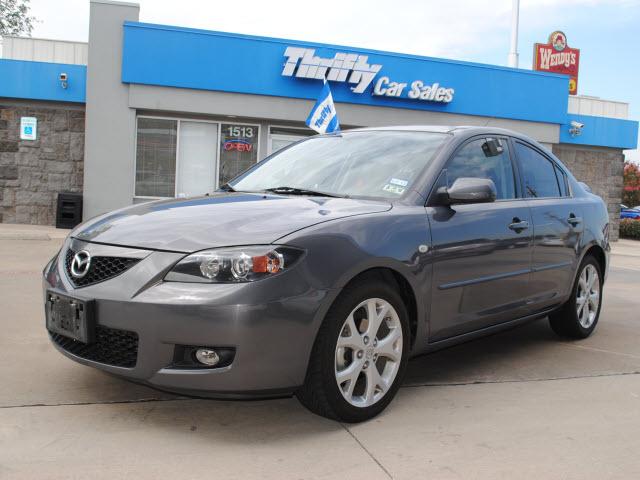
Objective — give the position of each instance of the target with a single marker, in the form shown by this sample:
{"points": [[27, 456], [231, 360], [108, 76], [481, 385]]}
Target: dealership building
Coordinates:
{"points": [[145, 111]]}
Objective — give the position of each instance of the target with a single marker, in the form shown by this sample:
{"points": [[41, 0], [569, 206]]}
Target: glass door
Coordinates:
{"points": [[197, 156]]}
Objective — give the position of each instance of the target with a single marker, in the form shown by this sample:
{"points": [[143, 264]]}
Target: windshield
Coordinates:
{"points": [[369, 164]]}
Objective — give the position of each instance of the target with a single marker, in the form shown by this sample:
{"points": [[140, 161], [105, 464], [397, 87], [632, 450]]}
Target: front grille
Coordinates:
{"points": [[112, 347], [100, 269]]}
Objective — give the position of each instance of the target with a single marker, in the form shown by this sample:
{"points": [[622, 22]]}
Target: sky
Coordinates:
{"points": [[605, 31]]}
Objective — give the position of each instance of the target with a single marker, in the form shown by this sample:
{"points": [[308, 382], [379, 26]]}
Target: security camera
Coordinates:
{"points": [[576, 128], [63, 80]]}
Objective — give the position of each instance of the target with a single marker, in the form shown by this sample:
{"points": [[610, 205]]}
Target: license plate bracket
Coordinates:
{"points": [[71, 317]]}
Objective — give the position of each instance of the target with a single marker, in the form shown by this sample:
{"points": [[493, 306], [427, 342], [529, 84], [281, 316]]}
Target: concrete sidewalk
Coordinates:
{"points": [[522, 404], [14, 231], [626, 247]]}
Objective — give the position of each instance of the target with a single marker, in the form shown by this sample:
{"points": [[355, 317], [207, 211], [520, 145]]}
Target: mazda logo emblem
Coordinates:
{"points": [[80, 264]]}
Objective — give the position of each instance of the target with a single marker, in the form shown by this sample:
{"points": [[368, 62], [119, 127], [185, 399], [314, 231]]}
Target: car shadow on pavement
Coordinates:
{"points": [[531, 352], [512, 355], [520, 353]]}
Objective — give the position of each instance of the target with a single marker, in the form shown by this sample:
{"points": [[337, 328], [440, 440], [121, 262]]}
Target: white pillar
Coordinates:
{"points": [[513, 51]]}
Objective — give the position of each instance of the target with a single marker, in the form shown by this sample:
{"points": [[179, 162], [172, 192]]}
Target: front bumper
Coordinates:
{"points": [[271, 323]]}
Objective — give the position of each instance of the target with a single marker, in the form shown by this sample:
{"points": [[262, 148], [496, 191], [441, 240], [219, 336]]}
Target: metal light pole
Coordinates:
{"points": [[513, 52]]}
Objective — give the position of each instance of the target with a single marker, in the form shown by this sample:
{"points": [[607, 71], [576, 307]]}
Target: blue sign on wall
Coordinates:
{"points": [[41, 81], [206, 60], [601, 131]]}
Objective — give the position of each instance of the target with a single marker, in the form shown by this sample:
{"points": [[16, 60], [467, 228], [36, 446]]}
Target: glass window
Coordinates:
{"points": [[471, 161], [278, 142], [538, 173], [238, 150], [369, 164], [280, 137], [156, 157]]}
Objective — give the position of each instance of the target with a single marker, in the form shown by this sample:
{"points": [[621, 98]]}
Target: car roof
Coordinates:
{"points": [[460, 131], [466, 130]]}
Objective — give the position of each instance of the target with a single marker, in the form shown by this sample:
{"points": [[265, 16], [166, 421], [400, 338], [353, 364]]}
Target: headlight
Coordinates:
{"points": [[233, 265]]}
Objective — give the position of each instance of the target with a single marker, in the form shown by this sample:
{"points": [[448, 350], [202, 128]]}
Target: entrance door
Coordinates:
{"points": [[481, 252], [197, 154]]}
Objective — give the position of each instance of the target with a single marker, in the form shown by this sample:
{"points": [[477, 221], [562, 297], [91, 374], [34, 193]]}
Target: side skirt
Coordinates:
{"points": [[483, 332]]}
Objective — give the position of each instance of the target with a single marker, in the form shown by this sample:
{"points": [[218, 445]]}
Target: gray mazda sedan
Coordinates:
{"points": [[321, 270]]}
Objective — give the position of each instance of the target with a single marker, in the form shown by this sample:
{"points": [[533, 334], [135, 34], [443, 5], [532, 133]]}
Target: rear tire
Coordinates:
{"points": [[360, 354], [578, 317]]}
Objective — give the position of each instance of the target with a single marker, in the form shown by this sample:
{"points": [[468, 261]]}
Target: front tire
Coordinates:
{"points": [[578, 317], [360, 354]]}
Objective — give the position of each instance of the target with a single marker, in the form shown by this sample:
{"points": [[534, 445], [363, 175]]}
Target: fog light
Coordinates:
{"points": [[207, 356]]}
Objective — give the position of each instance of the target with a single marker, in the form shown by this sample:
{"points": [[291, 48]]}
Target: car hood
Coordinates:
{"points": [[222, 219]]}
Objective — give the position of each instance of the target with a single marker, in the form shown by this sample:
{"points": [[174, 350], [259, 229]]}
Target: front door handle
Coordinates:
{"points": [[573, 220], [518, 225]]}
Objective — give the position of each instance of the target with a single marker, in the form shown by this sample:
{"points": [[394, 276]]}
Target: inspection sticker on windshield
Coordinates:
{"points": [[393, 189], [397, 181]]}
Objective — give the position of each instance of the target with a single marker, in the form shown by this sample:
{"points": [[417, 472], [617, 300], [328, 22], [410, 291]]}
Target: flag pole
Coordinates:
{"points": [[513, 52]]}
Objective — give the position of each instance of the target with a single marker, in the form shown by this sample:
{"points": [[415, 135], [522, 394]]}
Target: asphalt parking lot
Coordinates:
{"points": [[521, 404]]}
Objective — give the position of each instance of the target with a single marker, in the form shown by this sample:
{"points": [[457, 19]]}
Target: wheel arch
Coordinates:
{"points": [[599, 254], [400, 282]]}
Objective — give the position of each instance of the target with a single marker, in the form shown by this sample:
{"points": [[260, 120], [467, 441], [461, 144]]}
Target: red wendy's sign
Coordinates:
{"points": [[557, 57]]}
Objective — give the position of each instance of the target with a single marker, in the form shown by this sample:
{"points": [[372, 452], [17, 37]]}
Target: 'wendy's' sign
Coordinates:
{"points": [[557, 57]]}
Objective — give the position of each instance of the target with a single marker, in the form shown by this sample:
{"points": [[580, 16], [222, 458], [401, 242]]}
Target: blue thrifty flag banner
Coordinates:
{"points": [[323, 117]]}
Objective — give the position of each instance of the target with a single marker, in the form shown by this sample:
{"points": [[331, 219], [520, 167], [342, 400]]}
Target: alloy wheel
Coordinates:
{"points": [[368, 352], [588, 296]]}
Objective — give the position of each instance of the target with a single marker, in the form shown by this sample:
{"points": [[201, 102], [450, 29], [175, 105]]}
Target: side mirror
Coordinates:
{"points": [[468, 190]]}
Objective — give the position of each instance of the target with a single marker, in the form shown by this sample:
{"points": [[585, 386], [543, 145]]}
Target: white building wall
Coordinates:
{"points": [[43, 50], [597, 107]]}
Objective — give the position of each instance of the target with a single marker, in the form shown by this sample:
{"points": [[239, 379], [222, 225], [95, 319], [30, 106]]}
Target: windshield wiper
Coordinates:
{"points": [[301, 191]]}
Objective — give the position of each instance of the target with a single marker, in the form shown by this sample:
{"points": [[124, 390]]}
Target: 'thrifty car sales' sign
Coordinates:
{"points": [[557, 57], [356, 70]]}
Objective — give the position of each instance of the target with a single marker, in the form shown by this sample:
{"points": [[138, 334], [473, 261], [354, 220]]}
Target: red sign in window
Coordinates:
{"points": [[239, 145]]}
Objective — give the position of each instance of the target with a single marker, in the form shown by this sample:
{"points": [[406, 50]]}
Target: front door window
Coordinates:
{"points": [[471, 161]]}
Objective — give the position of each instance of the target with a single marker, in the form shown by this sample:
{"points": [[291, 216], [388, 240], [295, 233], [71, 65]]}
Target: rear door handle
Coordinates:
{"points": [[573, 220], [518, 225]]}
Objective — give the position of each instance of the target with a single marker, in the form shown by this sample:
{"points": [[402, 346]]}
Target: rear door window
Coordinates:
{"points": [[562, 181], [538, 173]]}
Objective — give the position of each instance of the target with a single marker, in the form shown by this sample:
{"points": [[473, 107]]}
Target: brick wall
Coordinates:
{"points": [[601, 169], [32, 173]]}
